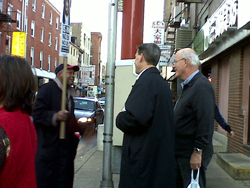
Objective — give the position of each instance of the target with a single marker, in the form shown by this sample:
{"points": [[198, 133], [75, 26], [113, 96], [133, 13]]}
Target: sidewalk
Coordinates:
{"points": [[88, 173], [88, 170]]}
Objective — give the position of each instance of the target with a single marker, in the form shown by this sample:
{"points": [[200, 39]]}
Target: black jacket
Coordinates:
{"points": [[54, 158], [148, 126], [194, 118]]}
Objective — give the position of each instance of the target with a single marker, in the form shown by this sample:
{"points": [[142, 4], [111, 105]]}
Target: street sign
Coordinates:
{"points": [[165, 55], [18, 44], [158, 32], [65, 30]]}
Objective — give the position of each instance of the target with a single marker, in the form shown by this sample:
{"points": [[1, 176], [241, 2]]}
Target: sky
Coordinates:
{"points": [[94, 14]]}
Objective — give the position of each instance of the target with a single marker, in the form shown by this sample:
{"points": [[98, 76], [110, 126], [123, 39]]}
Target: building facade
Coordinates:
{"points": [[83, 40], [40, 21], [219, 33], [95, 55]]}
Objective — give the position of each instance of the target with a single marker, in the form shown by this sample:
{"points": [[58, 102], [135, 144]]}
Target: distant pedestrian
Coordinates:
{"points": [[148, 126], [222, 122], [194, 119], [55, 157], [18, 139]]}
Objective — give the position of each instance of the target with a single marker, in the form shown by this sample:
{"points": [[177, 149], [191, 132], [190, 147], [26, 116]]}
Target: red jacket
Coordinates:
{"points": [[19, 167]]}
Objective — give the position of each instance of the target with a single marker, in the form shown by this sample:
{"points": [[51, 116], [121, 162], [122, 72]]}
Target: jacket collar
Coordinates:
{"points": [[191, 82], [149, 70]]}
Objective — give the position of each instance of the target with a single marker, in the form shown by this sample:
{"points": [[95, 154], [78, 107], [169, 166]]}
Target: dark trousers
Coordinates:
{"points": [[183, 172]]}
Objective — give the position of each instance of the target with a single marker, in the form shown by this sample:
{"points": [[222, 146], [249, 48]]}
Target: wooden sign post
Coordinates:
{"points": [[63, 107]]}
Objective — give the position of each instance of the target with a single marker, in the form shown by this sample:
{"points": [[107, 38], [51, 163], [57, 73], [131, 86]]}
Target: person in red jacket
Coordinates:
{"points": [[18, 139]]}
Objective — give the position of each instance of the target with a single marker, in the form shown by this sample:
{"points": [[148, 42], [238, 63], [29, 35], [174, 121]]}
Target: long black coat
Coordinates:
{"points": [[55, 157], [148, 126]]}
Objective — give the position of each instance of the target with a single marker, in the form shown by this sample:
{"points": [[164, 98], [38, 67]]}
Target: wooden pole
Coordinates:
{"points": [[63, 107]]}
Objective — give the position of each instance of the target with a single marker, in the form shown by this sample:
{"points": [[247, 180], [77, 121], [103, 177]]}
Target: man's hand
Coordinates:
{"points": [[62, 115], [232, 134], [195, 161]]}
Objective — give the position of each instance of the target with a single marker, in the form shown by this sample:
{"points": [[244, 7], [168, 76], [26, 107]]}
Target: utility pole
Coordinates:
{"points": [[107, 181]]}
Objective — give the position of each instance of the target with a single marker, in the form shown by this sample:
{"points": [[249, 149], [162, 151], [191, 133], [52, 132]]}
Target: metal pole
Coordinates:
{"points": [[107, 181]]}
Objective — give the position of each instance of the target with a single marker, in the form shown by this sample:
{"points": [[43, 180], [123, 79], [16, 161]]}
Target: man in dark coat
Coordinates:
{"points": [[148, 126], [194, 119], [55, 157]]}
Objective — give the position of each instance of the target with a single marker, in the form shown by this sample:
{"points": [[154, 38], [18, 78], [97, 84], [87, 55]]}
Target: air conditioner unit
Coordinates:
{"points": [[183, 38]]}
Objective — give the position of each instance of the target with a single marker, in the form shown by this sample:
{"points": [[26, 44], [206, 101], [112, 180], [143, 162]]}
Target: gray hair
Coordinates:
{"points": [[191, 56]]}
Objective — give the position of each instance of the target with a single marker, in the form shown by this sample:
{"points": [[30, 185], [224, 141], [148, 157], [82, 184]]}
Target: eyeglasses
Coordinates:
{"points": [[175, 61]]}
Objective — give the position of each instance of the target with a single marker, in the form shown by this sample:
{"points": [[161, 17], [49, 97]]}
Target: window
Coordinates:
{"points": [[1, 6], [55, 62], [41, 60], [10, 7], [18, 18], [49, 39], [42, 34], [26, 24], [8, 42], [34, 5], [49, 62], [33, 29], [27, 2], [51, 18], [56, 45], [43, 11], [32, 53], [57, 23], [84, 40]]}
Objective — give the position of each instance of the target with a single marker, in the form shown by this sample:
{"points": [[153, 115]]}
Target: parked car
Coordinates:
{"points": [[102, 101], [88, 112]]}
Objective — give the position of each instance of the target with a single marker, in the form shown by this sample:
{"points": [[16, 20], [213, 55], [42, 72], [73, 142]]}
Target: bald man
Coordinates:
{"points": [[194, 119]]}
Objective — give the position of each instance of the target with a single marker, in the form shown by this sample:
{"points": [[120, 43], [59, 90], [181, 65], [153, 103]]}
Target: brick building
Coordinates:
{"points": [[219, 33], [83, 40], [95, 55], [40, 21]]}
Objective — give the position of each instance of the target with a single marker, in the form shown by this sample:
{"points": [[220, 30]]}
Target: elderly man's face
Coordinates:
{"points": [[179, 65], [70, 76]]}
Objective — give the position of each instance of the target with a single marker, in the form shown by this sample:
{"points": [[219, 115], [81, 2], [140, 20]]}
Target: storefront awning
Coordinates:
{"points": [[43, 73]]}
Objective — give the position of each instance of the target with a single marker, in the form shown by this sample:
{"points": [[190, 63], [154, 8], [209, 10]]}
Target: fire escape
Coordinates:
{"points": [[6, 21]]}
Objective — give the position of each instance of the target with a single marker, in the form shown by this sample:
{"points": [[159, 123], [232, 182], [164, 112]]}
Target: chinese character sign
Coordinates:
{"points": [[65, 29], [18, 44], [158, 28]]}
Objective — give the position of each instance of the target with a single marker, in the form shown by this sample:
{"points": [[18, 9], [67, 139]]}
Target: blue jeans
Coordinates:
{"points": [[183, 172]]}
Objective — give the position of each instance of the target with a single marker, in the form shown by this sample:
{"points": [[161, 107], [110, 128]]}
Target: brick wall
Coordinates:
{"points": [[48, 28], [234, 101], [215, 83], [235, 117]]}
